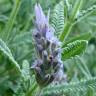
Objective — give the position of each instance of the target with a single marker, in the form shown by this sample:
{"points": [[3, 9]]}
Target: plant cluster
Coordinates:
{"points": [[49, 57]]}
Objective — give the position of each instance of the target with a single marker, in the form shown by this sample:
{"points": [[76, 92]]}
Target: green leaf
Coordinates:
{"points": [[3, 18], [69, 23], [71, 89], [85, 36], [24, 38], [82, 66], [25, 70], [11, 65], [58, 18], [90, 92], [85, 14], [72, 49]]}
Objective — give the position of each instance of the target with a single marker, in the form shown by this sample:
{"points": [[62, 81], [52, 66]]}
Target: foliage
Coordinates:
{"points": [[74, 23], [72, 89]]}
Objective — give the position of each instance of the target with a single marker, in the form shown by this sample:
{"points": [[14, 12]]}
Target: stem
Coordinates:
{"points": [[76, 9], [85, 14], [68, 24], [66, 31], [9, 25], [27, 24], [39, 92], [31, 90], [85, 36], [84, 67]]}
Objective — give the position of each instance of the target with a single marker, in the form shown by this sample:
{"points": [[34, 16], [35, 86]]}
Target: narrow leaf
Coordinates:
{"points": [[85, 36], [73, 49], [7, 53], [58, 18], [71, 88]]}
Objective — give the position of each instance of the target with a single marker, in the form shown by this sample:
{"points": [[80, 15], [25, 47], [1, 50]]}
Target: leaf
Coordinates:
{"points": [[71, 89], [72, 49], [5, 6], [11, 65], [3, 18], [24, 38], [82, 66], [85, 36], [4, 47], [25, 70], [90, 92], [85, 13], [58, 18]]}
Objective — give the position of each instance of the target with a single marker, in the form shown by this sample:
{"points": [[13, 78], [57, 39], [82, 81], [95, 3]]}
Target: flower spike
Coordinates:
{"points": [[48, 66]]}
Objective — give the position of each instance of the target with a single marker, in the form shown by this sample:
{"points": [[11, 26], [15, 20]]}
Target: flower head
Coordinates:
{"points": [[41, 20], [48, 64]]}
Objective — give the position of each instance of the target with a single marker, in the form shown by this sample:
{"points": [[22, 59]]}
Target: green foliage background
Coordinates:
{"points": [[17, 51]]}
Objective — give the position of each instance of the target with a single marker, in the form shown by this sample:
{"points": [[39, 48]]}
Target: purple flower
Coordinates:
{"points": [[41, 19], [47, 67], [42, 23]]}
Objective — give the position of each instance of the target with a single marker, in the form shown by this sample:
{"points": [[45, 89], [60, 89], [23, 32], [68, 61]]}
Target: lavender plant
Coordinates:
{"points": [[48, 66], [47, 58]]}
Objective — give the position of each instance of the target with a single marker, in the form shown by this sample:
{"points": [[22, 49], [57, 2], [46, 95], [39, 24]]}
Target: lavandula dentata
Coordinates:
{"points": [[48, 66]]}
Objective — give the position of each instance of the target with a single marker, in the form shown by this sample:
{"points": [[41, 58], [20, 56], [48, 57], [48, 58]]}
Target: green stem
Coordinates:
{"points": [[76, 9], [27, 24], [85, 14], [31, 90], [85, 36], [68, 24], [66, 31], [9, 25], [39, 92], [84, 67]]}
